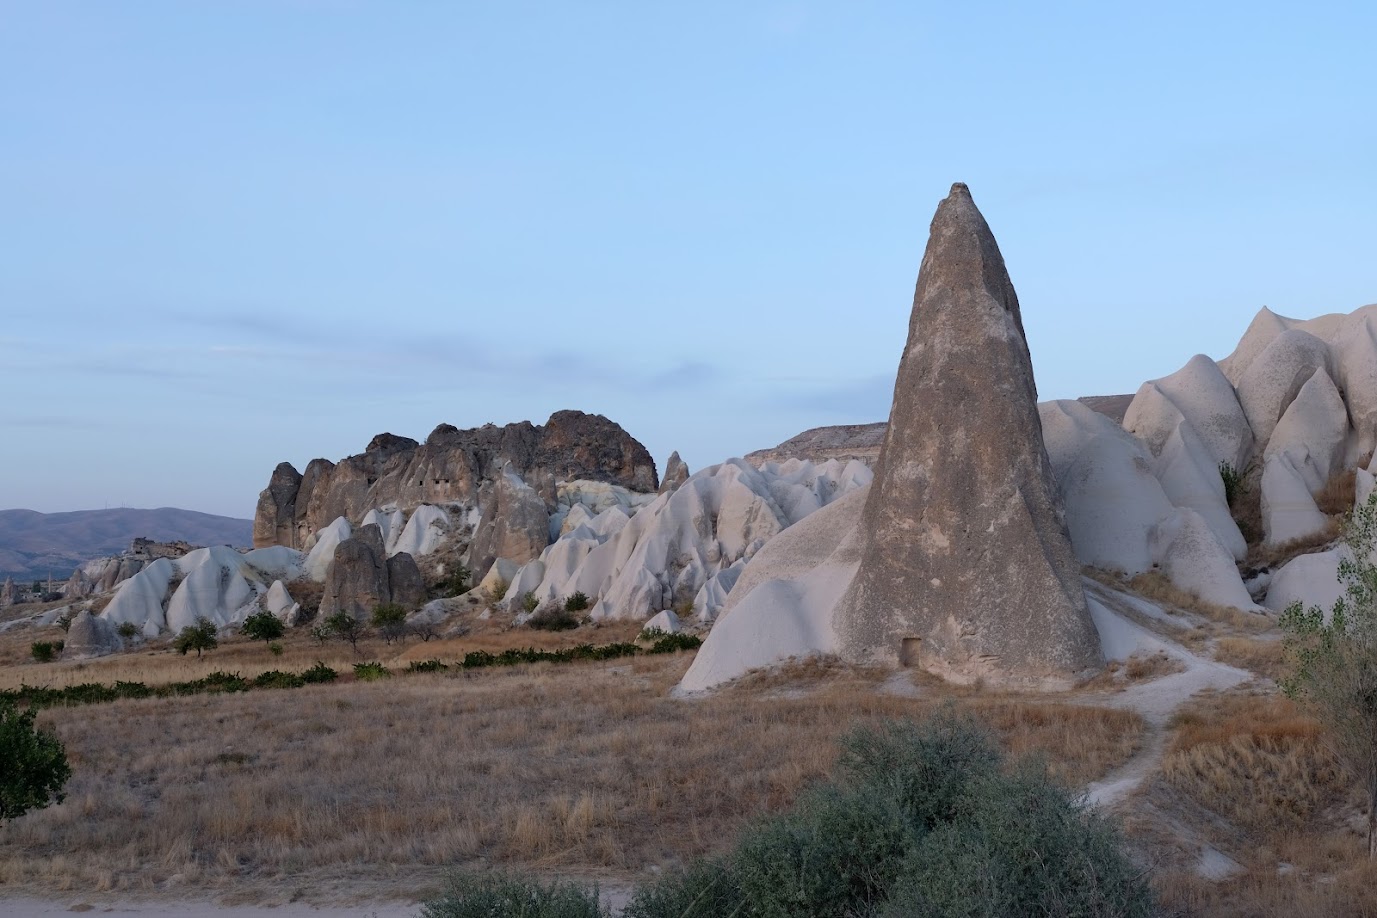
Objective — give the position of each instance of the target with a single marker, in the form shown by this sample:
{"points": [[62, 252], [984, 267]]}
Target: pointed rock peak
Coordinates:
{"points": [[676, 473], [966, 567]]}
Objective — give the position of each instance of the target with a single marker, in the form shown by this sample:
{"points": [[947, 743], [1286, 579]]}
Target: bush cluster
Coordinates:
{"points": [[46, 651], [371, 672], [553, 616], [921, 819]]}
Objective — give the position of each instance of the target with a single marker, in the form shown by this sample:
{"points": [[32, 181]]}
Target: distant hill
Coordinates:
{"points": [[33, 544]]}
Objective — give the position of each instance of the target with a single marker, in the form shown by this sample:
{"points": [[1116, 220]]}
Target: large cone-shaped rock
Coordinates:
{"points": [[89, 636], [966, 566]]}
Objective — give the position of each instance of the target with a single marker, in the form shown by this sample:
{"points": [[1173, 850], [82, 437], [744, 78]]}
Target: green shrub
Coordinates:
{"points": [[319, 673], [390, 620], [499, 590], [64, 621], [370, 672], [275, 648], [501, 896], [553, 617], [457, 582], [921, 819], [33, 764], [127, 630], [1021, 844], [198, 637], [426, 666], [276, 679], [263, 626], [1233, 481], [671, 643], [529, 603], [576, 602], [45, 651], [835, 855], [345, 627], [703, 889]]}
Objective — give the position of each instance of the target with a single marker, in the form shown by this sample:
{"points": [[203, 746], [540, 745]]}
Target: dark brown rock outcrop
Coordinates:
{"points": [[449, 467], [361, 577], [966, 566]]}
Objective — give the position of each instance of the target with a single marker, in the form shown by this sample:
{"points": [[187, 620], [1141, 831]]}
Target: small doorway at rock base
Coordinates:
{"points": [[909, 649]]}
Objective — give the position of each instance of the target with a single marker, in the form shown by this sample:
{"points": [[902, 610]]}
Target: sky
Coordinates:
{"points": [[236, 233]]}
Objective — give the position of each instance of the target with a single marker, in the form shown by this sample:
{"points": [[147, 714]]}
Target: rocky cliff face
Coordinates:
{"points": [[449, 467]]}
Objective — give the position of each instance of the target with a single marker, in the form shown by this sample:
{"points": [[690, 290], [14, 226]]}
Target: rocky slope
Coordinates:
{"points": [[449, 468]]}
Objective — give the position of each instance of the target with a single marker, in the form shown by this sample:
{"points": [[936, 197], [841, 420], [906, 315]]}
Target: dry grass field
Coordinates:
{"points": [[370, 789]]}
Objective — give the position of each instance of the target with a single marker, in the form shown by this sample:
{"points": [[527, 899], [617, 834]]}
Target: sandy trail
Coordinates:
{"points": [[1157, 700]]}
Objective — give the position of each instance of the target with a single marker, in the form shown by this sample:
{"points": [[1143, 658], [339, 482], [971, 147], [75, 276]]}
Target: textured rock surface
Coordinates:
{"points": [[274, 521], [404, 583], [966, 565], [449, 467], [676, 473], [842, 442], [357, 581], [90, 636], [514, 523], [8, 592]]}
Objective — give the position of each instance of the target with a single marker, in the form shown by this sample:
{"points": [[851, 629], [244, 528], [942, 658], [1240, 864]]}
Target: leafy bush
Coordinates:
{"points": [[263, 626], [553, 617], [127, 630], [671, 643], [64, 621], [922, 819], [502, 896], [703, 889], [276, 679], [275, 648], [318, 674], [499, 590], [33, 764], [345, 627], [576, 602], [390, 620], [198, 637], [529, 603], [45, 651], [457, 582], [1233, 481], [426, 666], [371, 672]]}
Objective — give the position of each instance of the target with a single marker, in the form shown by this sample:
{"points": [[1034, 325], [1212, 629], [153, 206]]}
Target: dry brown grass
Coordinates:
{"points": [[1259, 655], [570, 768], [1339, 492], [1249, 774], [1263, 555], [157, 664], [1256, 760], [1154, 585]]}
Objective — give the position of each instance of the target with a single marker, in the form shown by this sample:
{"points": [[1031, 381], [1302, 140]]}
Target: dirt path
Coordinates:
{"points": [[1157, 700]]}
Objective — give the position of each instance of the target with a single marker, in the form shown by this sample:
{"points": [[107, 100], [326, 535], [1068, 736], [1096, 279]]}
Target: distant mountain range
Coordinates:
{"points": [[32, 544]]}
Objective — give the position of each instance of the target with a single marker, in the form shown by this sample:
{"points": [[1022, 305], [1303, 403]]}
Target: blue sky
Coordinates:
{"points": [[240, 232]]}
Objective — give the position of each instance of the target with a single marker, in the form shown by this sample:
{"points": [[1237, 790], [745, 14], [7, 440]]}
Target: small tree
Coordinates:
{"points": [[263, 626], [199, 637], [33, 764], [390, 620], [458, 581], [576, 602], [127, 630], [347, 628], [45, 651], [1334, 659]]}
